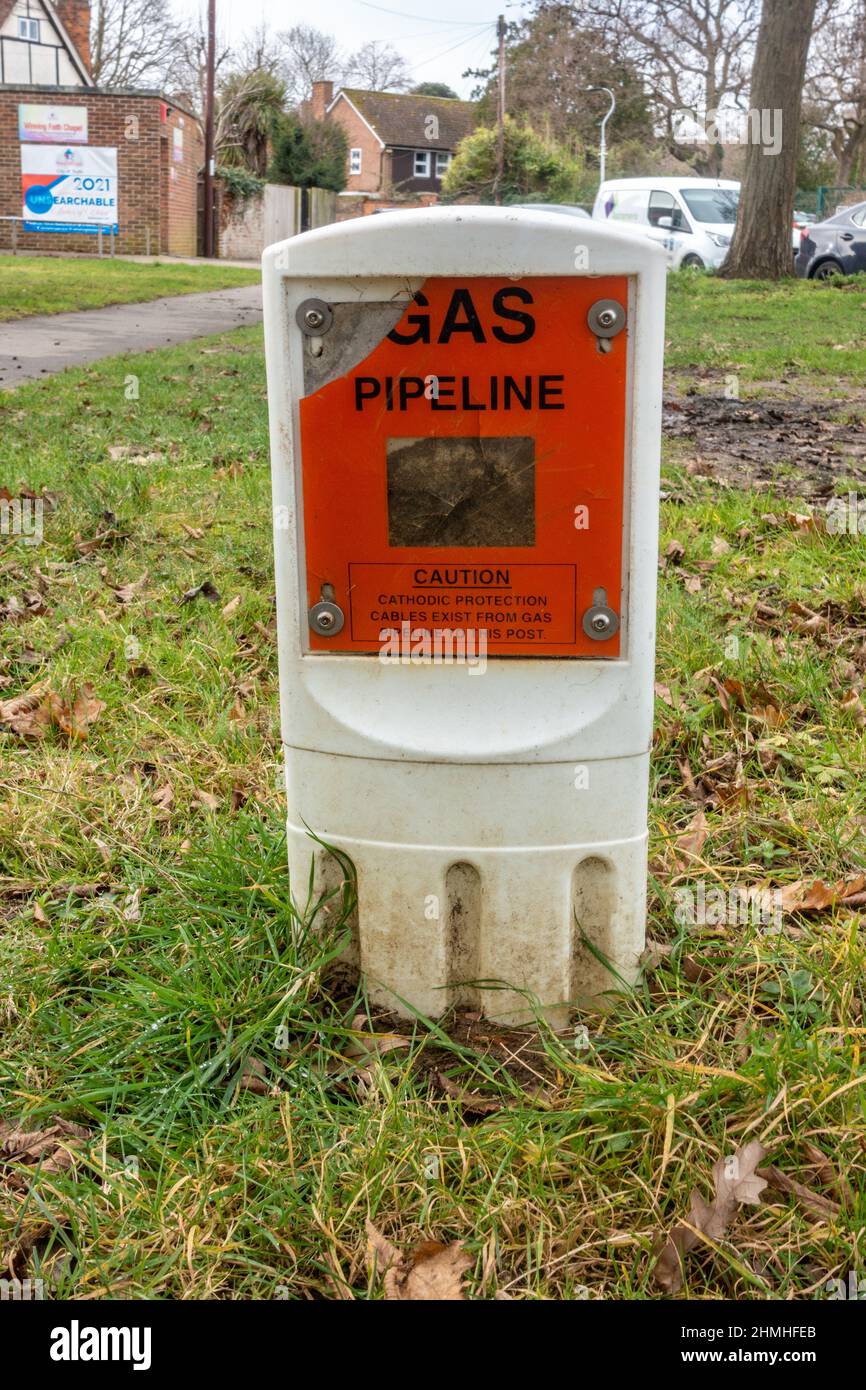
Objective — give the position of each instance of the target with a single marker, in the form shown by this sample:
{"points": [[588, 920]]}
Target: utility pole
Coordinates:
{"points": [[209, 163], [602, 146], [500, 113]]}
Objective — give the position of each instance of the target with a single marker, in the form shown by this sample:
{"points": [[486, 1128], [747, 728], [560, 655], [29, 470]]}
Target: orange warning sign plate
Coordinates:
{"points": [[468, 474]]}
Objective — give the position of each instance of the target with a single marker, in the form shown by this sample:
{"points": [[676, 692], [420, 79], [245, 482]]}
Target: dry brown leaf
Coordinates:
{"points": [[206, 799], [476, 1105], [52, 1150], [814, 1202], [433, 1273], [801, 521], [827, 1175], [814, 895], [101, 540], [364, 1045], [76, 718], [127, 592], [33, 719], [232, 606], [735, 1181], [689, 844], [853, 705], [253, 1077], [664, 693], [32, 715], [163, 796]]}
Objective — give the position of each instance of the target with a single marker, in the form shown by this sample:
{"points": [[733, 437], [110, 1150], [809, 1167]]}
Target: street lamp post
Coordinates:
{"points": [[602, 148]]}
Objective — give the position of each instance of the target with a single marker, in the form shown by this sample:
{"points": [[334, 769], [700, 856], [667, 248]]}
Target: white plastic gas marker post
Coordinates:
{"points": [[465, 411]]}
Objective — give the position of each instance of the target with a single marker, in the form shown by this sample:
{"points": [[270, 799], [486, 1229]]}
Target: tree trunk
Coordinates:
{"points": [[762, 247]]}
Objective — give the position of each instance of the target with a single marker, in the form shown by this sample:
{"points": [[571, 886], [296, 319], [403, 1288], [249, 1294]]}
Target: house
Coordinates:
{"points": [[77, 159], [46, 44], [400, 143]]}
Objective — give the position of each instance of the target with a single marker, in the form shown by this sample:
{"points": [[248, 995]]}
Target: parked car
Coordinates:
{"points": [[834, 247], [693, 219]]}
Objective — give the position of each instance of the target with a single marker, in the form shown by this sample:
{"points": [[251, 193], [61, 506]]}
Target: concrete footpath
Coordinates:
{"points": [[36, 347]]}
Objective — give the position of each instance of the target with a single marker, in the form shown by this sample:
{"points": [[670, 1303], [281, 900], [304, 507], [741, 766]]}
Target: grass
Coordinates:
{"points": [[150, 958], [761, 331], [45, 285]]}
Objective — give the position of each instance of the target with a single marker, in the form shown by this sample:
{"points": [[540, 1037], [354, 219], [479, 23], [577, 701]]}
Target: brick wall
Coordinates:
{"points": [[372, 178], [156, 192], [74, 15]]}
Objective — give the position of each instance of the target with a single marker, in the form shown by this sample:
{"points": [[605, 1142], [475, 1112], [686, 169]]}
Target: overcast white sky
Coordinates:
{"points": [[439, 38]]}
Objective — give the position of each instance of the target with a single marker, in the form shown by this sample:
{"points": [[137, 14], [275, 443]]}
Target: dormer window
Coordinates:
{"points": [[28, 28]]}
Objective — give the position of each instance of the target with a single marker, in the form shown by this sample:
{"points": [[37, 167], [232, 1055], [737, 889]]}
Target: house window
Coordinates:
{"points": [[422, 164], [443, 159], [28, 28], [354, 161]]}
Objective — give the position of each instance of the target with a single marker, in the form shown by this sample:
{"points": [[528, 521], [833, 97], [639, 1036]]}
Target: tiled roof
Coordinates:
{"points": [[402, 118]]}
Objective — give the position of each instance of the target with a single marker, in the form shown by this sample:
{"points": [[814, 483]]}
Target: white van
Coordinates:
{"points": [[693, 219]]}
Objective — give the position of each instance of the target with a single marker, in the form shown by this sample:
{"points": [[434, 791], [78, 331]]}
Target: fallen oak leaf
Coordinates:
{"points": [[28, 716], [75, 719], [736, 1181], [127, 592], [52, 1150], [433, 1273]]}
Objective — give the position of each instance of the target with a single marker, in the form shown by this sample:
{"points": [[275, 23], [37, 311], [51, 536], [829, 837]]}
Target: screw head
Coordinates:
{"points": [[314, 317], [601, 622], [326, 618], [606, 318]]}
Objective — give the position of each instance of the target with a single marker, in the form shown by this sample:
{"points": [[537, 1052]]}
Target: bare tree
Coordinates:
{"points": [[694, 56], [379, 68], [761, 248], [131, 41], [836, 83], [185, 70], [307, 55]]}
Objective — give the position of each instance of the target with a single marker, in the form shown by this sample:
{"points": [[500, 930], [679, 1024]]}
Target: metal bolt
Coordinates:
{"points": [[314, 317], [326, 620], [601, 622], [607, 318]]}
